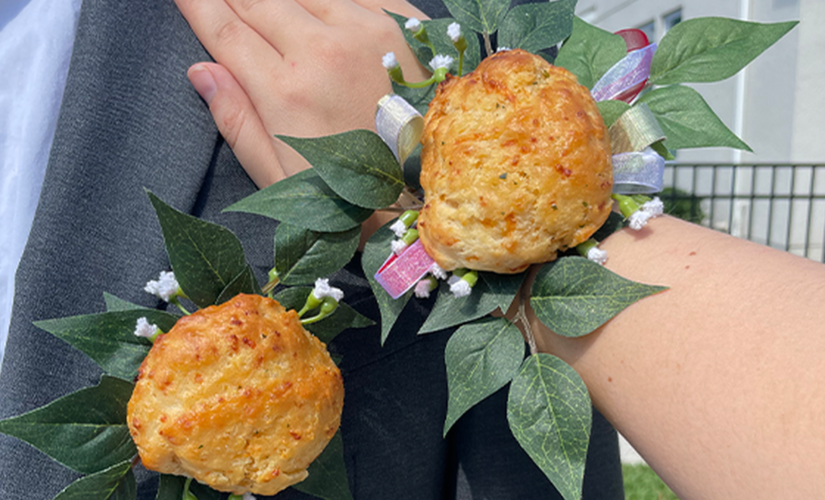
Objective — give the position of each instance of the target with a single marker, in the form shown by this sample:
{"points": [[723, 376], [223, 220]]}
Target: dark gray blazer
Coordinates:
{"points": [[130, 120]]}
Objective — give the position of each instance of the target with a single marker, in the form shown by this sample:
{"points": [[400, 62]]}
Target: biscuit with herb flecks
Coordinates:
{"points": [[515, 166], [238, 396]]}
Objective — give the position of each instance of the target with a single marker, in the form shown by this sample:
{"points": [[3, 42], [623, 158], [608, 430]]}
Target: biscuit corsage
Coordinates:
{"points": [[507, 159]]}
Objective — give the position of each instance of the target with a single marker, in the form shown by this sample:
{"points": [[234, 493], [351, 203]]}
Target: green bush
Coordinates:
{"points": [[641, 483]]}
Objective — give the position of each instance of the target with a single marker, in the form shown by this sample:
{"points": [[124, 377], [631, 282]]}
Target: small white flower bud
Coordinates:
{"points": [[597, 255], [145, 329], [322, 289], [654, 207], [398, 246], [638, 219], [441, 61], [454, 32], [438, 272], [459, 287], [166, 287], [502, 49], [413, 24], [423, 289], [399, 228], [248, 496], [389, 61]]}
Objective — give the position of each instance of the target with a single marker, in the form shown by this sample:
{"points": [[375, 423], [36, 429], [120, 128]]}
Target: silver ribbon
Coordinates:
{"points": [[638, 172], [399, 124], [631, 70]]}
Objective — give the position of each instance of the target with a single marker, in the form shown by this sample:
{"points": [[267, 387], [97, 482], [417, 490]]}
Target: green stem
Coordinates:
{"points": [[460, 63], [180, 306], [187, 495]]}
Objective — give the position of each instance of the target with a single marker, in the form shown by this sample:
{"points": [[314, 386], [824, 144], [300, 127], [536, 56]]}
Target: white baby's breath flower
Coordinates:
{"points": [[413, 24], [454, 32], [389, 61], [502, 49], [597, 255], [398, 246], [422, 289], [322, 289], [459, 287], [248, 496], [441, 61], [166, 287], [438, 272], [654, 207], [638, 219], [145, 329], [399, 228]]}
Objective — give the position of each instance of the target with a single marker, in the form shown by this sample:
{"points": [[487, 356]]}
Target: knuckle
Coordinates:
{"points": [[247, 5], [228, 32], [230, 122]]}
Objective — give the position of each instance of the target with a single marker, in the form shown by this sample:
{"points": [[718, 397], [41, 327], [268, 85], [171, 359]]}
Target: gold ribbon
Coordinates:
{"points": [[399, 124], [635, 130]]}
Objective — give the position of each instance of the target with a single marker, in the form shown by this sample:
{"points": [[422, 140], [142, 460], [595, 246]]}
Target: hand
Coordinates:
{"points": [[295, 67]]}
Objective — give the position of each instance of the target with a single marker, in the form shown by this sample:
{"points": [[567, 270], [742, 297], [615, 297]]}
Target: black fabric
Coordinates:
{"points": [[130, 120]]}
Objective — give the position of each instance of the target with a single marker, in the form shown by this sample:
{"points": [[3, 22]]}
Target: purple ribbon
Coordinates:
{"points": [[629, 72]]}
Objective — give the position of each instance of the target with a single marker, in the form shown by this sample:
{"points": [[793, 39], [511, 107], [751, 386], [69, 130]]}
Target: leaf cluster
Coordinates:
{"points": [[698, 50], [86, 430]]}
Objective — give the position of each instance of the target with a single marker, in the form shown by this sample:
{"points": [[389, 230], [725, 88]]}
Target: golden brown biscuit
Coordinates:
{"points": [[238, 396], [515, 166]]}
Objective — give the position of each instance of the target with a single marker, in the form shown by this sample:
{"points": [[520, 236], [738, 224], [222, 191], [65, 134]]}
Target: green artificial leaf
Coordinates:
{"points": [[590, 52], [108, 338], [376, 252], [549, 412], [481, 358], [302, 255], [688, 121], [326, 329], [171, 488], [418, 98], [482, 16], [491, 292], [204, 256], [421, 50], [662, 150], [357, 165], [85, 431], [115, 483], [304, 200], [710, 49], [537, 26], [573, 296], [437, 31], [611, 110], [328, 474], [245, 282], [504, 287], [114, 304]]}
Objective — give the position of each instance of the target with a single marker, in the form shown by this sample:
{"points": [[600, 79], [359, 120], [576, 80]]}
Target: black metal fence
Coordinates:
{"points": [[779, 205]]}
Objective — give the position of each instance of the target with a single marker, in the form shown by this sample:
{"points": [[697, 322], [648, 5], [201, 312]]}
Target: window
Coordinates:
{"points": [[648, 29], [672, 19]]}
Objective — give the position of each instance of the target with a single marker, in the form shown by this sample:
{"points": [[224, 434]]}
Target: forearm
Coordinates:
{"points": [[717, 380]]}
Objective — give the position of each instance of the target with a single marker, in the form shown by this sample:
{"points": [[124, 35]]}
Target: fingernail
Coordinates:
{"points": [[203, 82]]}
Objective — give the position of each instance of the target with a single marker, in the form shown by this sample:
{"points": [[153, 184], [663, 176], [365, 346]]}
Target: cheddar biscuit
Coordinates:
{"points": [[238, 396], [515, 166]]}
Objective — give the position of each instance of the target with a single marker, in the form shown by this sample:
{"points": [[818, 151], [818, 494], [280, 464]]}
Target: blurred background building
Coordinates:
{"points": [[775, 195]]}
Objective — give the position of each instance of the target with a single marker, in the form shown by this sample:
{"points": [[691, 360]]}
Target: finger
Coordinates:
{"points": [[400, 7], [277, 22], [238, 122], [234, 44], [331, 12]]}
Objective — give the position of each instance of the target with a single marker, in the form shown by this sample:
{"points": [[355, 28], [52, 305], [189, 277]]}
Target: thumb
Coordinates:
{"points": [[238, 122]]}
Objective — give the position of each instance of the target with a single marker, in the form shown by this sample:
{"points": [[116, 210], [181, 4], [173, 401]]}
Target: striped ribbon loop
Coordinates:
{"points": [[399, 124], [631, 71], [638, 172]]}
